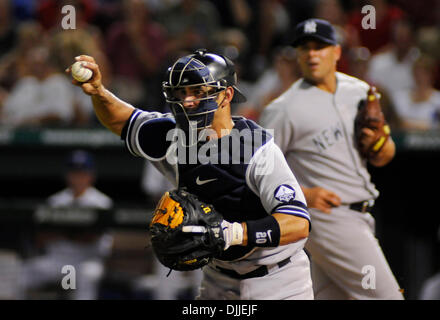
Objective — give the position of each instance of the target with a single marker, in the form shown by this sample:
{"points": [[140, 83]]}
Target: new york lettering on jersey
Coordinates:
{"points": [[328, 137]]}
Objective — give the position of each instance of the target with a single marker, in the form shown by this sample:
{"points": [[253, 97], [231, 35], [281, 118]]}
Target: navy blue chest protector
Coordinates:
{"points": [[222, 181]]}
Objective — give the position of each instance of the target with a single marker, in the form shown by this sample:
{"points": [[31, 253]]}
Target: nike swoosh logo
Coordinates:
{"points": [[268, 234], [201, 182]]}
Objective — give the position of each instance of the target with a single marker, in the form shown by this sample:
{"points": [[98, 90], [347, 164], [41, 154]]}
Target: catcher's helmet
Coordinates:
{"points": [[215, 72]]}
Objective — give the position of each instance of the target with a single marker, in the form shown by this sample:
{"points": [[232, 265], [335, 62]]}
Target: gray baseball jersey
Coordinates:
{"points": [[315, 131], [259, 183]]}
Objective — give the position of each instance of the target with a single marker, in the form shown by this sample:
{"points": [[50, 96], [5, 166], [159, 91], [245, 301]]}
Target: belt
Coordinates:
{"points": [[363, 206], [259, 272]]}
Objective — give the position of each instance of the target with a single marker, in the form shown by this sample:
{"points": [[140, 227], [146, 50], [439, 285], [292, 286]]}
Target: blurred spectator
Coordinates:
{"points": [[348, 37], [428, 40], [153, 183], [431, 287], [84, 39], [233, 13], [423, 13], [42, 97], [419, 107], [386, 16], [358, 61], [24, 9], [80, 179], [49, 15], [13, 64], [8, 39], [330, 10], [233, 43], [8, 33], [392, 69], [136, 47], [299, 11], [273, 23], [267, 29], [84, 250], [107, 13], [273, 82], [66, 45], [10, 263], [359, 58], [191, 24]]}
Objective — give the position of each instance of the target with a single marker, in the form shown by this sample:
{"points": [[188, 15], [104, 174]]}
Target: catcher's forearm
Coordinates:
{"points": [[385, 155], [291, 229], [112, 112]]}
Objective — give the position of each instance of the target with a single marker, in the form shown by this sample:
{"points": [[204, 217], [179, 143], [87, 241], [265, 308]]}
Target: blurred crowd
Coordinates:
{"points": [[134, 41]]}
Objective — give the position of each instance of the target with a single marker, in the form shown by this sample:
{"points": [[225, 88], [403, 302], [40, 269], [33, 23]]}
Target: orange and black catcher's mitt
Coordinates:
{"points": [[186, 233]]}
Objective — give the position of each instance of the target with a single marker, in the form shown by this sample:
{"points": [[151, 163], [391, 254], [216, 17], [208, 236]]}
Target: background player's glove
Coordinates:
{"points": [[187, 233], [370, 116]]}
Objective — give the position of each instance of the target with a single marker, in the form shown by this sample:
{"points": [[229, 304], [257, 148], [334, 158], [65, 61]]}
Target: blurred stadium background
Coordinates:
{"points": [[43, 117]]}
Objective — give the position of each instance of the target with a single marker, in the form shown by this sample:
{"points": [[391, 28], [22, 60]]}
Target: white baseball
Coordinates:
{"points": [[80, 73]]}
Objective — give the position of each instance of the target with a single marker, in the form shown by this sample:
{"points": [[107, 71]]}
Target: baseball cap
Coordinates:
{"points": [[80, 160], [317, 29]]}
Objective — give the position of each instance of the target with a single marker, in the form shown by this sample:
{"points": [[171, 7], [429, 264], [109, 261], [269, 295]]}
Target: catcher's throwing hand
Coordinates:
{"points": [[94, 84], [371, 128], [187, 233]]}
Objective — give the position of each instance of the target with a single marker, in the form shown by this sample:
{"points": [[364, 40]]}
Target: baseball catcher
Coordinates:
{"points": [[187, 233], [234, 215], [370, 121]]}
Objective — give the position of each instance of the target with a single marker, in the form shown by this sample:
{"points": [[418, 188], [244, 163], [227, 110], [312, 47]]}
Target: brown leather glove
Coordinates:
{"points": [[370, 116]]}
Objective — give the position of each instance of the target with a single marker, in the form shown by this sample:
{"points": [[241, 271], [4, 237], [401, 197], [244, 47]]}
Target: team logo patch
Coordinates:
{"points": [[284, 193], [310, 27]]}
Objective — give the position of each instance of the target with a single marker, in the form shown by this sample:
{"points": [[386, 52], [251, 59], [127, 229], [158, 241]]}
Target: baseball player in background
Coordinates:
{"points": [[266, 222], [86, 251], [313, 124]]}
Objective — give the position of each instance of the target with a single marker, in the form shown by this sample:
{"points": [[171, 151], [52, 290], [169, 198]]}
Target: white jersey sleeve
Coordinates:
{"points": [[269, 176]]}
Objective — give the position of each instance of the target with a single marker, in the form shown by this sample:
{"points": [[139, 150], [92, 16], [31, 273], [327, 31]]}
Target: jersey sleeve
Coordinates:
{"points": [[274, 117], [146, 134], [269, 176]]}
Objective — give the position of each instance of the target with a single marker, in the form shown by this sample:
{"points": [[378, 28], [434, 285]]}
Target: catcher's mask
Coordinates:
{"points": [[202, 76]]}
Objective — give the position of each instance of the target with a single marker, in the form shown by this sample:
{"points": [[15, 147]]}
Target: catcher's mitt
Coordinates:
{"points": [[185, 232], [370, 116]]}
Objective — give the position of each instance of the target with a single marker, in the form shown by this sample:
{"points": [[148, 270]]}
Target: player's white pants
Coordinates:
{"points": [[290, 282], [347, 260]]}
